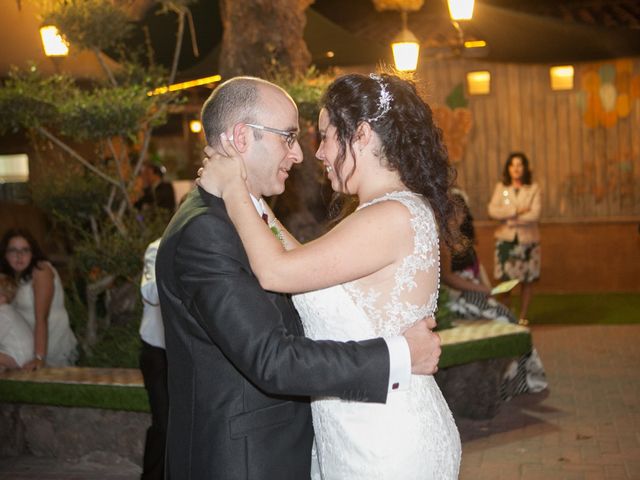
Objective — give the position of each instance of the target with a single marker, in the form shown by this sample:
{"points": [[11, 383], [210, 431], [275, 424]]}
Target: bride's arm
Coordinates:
{"points": [[229, 172], [290, 242], [363, 243]]}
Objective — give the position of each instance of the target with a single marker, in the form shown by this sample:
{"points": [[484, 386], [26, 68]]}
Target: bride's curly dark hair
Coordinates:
{"points": [[411, 143]]}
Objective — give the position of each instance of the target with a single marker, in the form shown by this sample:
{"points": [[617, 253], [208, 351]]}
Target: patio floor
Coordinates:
{"points": [[586, 427]]}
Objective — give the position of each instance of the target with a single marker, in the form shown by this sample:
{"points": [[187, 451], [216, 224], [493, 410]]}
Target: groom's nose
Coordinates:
{"points": [[296, 153]]}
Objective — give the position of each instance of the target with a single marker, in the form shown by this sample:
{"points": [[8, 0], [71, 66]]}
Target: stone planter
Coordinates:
{"points": [[104, 436]]}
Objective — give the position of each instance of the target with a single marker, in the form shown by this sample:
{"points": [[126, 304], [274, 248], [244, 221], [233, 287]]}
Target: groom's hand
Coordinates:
{"points": [[424, 346]]}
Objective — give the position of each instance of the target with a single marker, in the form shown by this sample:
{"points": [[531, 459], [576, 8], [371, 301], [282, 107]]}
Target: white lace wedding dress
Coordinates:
{"points": [[413, 435]]}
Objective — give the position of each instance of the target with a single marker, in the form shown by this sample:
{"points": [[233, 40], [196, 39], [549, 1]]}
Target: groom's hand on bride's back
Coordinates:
{"points": [[424, 345]]}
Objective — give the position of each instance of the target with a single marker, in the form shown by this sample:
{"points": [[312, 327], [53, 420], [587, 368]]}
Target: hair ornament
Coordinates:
{"points": [[384, 99]]}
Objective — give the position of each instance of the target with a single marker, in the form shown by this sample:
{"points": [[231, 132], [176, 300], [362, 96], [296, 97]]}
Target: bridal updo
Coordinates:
{"points": [[411, 143]]}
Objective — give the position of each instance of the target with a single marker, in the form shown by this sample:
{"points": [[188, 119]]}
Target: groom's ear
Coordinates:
{"points": [[239, 139]]}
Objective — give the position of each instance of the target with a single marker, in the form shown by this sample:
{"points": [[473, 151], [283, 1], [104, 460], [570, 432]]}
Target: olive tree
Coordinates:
{"points": [[92, 137]]}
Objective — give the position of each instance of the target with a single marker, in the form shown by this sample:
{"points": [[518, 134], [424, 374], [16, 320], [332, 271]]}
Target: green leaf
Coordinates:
{"points": [[105, 112], [306, 90], [456, 98], [90, 24]]}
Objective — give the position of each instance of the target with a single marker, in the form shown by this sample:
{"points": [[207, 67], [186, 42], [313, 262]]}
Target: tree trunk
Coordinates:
{"points": [[92, 291], [261, 36]]}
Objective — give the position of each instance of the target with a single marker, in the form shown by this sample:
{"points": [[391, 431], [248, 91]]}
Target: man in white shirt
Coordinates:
{"points": [[153, 365]]}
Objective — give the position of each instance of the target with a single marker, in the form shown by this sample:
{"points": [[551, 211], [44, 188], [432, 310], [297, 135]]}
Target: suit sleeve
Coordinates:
{"points": [[240, 318]]}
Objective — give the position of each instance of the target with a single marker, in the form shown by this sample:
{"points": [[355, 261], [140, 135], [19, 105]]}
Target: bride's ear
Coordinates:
{"points": [[363, 135]]}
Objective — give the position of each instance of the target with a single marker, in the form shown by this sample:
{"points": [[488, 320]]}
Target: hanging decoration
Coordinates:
{"points": [[607, 94], [455, 120]]}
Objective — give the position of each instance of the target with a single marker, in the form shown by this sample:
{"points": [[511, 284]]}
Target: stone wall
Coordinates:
{"points": [[472, 390], [104, 436]]}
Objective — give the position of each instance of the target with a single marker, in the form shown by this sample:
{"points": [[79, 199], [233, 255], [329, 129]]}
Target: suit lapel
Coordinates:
{"points": [[199, 200]]}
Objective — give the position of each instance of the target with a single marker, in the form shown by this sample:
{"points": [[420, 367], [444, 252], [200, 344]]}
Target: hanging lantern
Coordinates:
{"points": [[461, 9], [53, 43], [406, 48]]}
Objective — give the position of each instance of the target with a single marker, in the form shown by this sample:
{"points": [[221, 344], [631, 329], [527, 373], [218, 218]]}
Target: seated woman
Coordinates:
{"points": [[39, 300], [16, 337], [470, 298], [469, 290]]}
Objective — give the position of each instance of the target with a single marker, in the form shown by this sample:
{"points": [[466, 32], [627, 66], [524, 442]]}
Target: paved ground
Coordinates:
{"points": [[586, 427]]}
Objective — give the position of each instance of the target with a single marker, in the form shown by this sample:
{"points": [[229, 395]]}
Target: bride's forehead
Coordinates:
{"points": [[323, 118]]}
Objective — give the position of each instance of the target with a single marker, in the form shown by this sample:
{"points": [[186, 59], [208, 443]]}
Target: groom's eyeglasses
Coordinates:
{"points": [[289, 136]]}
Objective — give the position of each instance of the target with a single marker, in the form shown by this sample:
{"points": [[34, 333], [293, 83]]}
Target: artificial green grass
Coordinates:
{"points": [[132, 399], [580, 309], [513, 345]]}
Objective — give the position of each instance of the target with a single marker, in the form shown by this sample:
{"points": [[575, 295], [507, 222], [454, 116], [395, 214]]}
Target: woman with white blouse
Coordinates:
{"points": [[516, 204]]}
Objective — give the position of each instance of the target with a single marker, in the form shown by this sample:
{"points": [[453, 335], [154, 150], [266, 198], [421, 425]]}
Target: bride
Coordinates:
{"points": [[374, 274]]}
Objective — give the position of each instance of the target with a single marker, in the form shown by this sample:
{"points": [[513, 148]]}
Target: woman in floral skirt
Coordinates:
{"points": [[516, 203]]}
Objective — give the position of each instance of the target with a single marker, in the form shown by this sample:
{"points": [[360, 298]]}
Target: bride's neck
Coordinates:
{"points": [[378, 185]]}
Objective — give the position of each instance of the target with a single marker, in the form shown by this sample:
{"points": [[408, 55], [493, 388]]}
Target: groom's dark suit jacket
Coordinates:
{"points": [[240, 369]]}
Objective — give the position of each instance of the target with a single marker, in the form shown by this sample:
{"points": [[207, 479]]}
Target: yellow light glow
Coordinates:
{"points": [[195, 126], [475, 44], [461, 9], [479, 83], [330, 54], [405, 56], [406, 48], [181, 86], [561, 77], [53, 43], [14, 168]]}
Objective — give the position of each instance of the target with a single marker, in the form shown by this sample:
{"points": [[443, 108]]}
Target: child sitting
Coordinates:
{"points": [[16, 337]]}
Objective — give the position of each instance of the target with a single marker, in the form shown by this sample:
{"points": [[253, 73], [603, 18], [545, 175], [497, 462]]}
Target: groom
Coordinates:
{"points": [[240, 368]]}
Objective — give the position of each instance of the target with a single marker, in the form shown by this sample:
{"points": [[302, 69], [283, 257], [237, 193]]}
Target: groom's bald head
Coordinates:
{"points": [[238, 100]]}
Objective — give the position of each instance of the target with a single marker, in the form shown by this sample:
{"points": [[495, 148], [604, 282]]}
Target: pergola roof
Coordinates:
{"points": [[515, 30], [604, 13]]}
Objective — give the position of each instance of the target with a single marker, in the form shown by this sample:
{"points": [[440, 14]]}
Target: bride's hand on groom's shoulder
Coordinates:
{"points": [[424, 345], [222, 169]]}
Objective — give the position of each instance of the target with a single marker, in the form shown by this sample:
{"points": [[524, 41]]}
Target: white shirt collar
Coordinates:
{"points": [[257, 202]]}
